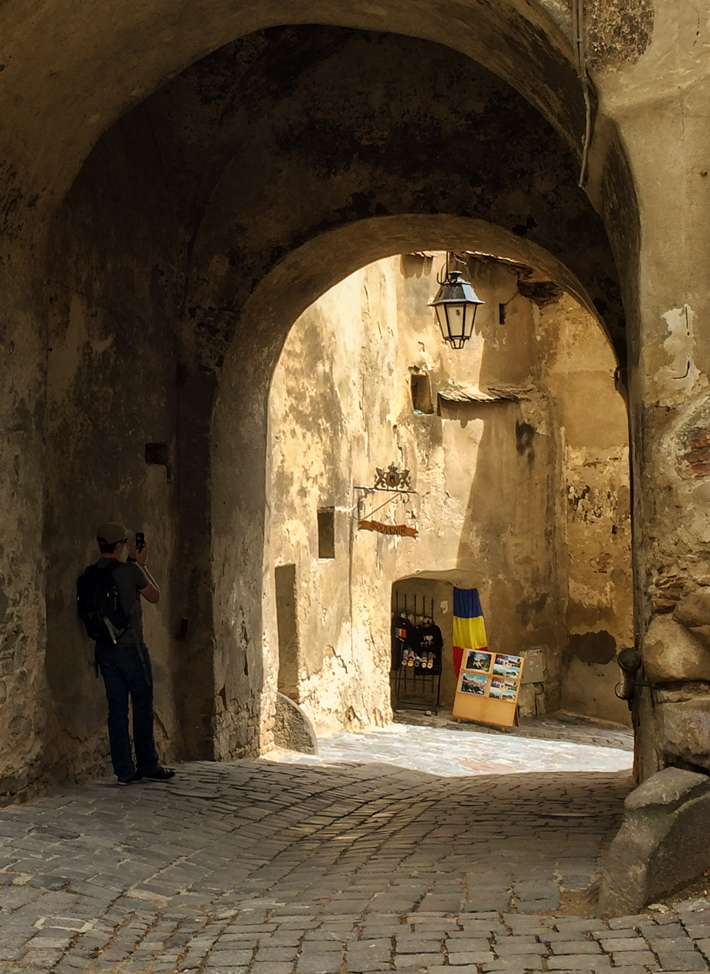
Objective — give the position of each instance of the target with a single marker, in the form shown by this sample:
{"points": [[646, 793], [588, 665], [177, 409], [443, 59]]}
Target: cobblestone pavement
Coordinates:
{"points": [[281, 868]]}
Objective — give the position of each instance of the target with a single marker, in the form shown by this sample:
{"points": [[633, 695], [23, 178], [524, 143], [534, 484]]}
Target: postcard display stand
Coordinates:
{"points": [[416, 656], [488, 687]]}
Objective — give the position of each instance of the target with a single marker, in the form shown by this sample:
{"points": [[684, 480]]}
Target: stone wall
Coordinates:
{"points": [[525, 498]]}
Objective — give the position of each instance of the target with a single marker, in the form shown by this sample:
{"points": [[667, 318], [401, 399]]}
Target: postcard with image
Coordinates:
{"points": [[474, 683], [504, 689], [477, 660], [508, 666]]}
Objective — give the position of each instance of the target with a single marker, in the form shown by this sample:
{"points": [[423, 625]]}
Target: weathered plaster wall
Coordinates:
{"points": [[24, 710], [494, 484], [593, 433], [322, 444], [111, 389]]}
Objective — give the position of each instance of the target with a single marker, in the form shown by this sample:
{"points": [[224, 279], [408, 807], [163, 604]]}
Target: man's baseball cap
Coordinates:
{"points": [[111, 533]]}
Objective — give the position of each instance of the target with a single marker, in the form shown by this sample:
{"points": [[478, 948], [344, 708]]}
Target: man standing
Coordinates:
{"points": [[125, 665]]}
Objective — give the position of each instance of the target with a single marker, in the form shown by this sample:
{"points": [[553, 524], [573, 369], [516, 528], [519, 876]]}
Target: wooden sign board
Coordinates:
{"points": [[400, 530], [488, 687]]}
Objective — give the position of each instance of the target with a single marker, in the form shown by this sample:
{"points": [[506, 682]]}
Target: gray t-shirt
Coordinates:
{"points": [[130, 579]]}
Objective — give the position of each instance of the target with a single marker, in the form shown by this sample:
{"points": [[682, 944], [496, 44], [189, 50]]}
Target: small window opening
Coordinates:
{"points": [[420, 385], [326, 532]]}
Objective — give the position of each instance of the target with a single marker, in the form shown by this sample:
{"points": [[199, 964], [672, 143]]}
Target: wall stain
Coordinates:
{"points": [[592, 647]]}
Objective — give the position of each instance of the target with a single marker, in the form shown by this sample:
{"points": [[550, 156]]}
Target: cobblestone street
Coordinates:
{"points": [[319, 867]]}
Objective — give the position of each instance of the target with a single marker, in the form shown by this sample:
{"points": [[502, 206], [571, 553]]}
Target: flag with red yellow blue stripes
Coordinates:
{"points": [[469, 627]]}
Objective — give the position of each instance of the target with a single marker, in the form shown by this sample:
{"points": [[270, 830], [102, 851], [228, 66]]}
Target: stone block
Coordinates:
{"points": [[693, 610], [685, 730], [622, 943], [672, 943], [579, 962], [682, 960], [627, 922], [639, 959], [671, 653], [662, 844], [419, 946], [320, 964], [576, 947], [292, 728], [464, 957]]}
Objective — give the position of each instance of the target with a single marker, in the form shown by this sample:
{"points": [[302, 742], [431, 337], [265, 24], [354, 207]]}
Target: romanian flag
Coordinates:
{"points": [[469, 628]]}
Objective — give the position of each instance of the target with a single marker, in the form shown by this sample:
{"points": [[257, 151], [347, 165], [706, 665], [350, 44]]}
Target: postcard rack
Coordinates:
{"points": [[488, 687], [416, 655]]}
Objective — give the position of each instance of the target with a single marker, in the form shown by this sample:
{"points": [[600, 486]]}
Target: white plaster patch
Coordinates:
{"points": [[681, 374], [74, 924]]}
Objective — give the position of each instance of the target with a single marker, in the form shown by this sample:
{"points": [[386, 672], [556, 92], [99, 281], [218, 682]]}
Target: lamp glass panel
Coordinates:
{"points": [[470, 314], [456, 321], [441, 318]]}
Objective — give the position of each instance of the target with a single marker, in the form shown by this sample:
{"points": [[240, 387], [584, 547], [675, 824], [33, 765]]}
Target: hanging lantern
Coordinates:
{"points": [[455, 305]]}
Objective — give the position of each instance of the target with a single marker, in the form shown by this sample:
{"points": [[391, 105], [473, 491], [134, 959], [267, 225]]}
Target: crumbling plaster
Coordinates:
{"points": [[491, 507]]}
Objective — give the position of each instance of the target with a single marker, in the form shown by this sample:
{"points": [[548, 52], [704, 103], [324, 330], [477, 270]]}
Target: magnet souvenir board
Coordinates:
{"points": [[488, 687]]}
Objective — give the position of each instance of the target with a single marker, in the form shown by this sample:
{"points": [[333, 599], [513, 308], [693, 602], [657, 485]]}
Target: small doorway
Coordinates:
{"points": [[422, 675]]}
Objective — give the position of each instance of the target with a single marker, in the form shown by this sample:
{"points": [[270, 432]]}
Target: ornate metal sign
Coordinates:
{"points": [[393, 478], [396, 482]]}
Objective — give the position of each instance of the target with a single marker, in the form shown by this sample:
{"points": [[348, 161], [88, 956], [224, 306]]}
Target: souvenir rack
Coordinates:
{"points": [[416, 668]]}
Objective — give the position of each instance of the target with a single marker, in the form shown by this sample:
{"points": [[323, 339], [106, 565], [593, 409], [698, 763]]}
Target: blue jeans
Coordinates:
{"points": [[127, 672]]}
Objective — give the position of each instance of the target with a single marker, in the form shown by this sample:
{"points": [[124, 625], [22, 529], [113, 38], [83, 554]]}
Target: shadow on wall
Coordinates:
{"points": [[518, 545]]}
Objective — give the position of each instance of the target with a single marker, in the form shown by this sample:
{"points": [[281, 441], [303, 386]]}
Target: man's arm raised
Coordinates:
{"points": [[150, 592]]}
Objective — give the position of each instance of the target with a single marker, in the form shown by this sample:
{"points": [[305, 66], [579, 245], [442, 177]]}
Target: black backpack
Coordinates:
{"points": [[99, 603]]}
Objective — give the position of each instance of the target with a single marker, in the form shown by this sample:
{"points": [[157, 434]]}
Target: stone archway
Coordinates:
{"points": [[69, 73], [240, 470], [191, 215], [180, 217]]}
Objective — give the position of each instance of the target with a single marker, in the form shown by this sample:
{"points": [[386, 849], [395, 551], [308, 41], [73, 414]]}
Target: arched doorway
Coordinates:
{"points": [[183, 238], [516, 449]]}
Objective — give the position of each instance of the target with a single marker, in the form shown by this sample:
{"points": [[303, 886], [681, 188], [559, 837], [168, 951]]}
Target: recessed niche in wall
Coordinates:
{"points": [[326, 532], [159, 454], [420, 385], [287, 628]]}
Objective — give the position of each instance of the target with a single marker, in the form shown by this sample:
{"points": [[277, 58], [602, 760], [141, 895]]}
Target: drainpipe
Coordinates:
{"points": [[581, 58]]}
